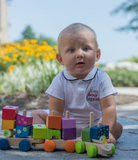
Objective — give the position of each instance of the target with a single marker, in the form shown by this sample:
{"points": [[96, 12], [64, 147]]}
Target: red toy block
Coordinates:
{"points": [[24, 120], [9, 112], [53, 122]]}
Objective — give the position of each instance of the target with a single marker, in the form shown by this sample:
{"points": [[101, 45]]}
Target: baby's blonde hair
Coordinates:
{"points": [[75, 28]]}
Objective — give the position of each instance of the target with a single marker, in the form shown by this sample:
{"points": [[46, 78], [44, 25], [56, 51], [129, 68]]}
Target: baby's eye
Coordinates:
{"points": [[85, 49], [71, 50]]}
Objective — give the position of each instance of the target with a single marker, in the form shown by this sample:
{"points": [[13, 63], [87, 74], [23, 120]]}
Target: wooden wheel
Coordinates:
{"points": [[92, 150], [113, 150], [80, 147], [4, 143], [70, 146], [24, 145], [49, 146]]}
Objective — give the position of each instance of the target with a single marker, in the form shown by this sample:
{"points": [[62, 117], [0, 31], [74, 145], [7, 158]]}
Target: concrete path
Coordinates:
{"points": [[126, 147], [128, 90]]}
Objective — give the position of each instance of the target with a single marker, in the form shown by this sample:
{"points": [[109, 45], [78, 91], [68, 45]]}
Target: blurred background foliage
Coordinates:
{"points": [[123, 78], [128, 8], [28, 33]]}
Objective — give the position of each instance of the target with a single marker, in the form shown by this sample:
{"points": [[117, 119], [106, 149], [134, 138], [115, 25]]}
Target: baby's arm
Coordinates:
{"points": [[109, 115], [57, 105]]}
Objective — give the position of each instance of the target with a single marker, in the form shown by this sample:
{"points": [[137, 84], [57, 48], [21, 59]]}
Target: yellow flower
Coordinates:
{"points": [[26, 52], [52, 55], [23, 60], [45, 58], [10, 69], [15, 55], [96, 64], [38, 54], [56, 48], [48, 48], [34, 41], [14, 58], [24, 41], [45, 43]]}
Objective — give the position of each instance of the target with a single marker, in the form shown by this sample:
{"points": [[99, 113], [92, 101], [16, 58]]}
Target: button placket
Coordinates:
{"points": [[81, 94]]}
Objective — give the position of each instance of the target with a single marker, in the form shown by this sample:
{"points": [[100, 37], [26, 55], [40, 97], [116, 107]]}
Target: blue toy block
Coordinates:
{"points": [[23, 131], [96, 132]]}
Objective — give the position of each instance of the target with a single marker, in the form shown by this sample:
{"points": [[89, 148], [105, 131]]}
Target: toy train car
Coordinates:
{"points": [[93, 138], [77, 145]]}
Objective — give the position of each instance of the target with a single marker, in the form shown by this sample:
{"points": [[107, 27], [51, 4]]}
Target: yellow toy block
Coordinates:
{"points": [[7, 124]]}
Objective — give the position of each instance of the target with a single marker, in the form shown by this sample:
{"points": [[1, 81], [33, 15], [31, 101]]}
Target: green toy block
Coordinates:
{"points": [[54, 132], [39, 131], [86, 135]]}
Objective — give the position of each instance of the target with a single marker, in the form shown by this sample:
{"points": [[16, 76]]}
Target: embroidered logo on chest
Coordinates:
{"points": [[92, 94]]}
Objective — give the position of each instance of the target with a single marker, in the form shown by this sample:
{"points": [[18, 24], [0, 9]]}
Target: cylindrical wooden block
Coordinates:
{"points": [[91, 119], [99, 124], [24, 112], [81, 131], [53, 112], [67, 114]]}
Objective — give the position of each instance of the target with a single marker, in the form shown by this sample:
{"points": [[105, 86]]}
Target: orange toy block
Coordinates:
{"points": [[53, 122], [7, 124]]}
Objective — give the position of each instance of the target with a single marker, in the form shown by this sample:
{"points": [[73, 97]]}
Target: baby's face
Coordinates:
{"points": [[78, 52]]}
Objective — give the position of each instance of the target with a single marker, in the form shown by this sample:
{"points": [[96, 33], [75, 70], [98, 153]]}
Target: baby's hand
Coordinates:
{"points": [[111, 139]]}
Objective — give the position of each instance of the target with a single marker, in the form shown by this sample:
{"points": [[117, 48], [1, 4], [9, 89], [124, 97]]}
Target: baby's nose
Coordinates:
{"points": [[79, 54]]}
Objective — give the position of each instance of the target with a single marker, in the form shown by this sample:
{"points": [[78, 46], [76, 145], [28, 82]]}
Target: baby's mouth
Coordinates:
{"points": [[80, 63]]}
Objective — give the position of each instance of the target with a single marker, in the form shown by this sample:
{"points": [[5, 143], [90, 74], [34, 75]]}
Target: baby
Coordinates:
{"points": [[81, 87]]}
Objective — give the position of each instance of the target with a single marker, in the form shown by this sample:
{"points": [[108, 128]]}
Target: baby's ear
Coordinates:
{"points": [[59, 58], [98, 55]]}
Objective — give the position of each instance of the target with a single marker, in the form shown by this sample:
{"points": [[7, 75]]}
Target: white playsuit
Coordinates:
{"points": [[82, 96]]}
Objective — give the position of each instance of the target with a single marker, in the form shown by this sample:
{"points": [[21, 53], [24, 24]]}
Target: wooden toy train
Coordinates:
{"points": [[58, 133]]}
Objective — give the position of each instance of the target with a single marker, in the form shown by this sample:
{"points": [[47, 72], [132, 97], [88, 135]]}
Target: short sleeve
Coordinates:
{"points": [[106, 88], [56, 89]]}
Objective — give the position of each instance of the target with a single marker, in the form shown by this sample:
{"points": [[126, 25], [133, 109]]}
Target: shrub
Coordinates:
{"points": [[123, 78], [33, 78], [25, 53]]}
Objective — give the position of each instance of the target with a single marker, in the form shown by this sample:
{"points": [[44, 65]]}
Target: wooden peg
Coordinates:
{"points": [[67, 114], [53, 112], [82, 128], [24, 112], [99, 124], [91, 119]]}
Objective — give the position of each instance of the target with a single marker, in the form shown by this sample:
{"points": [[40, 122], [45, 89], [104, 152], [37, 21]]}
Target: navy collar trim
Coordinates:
{"points": [[79, 79]]}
